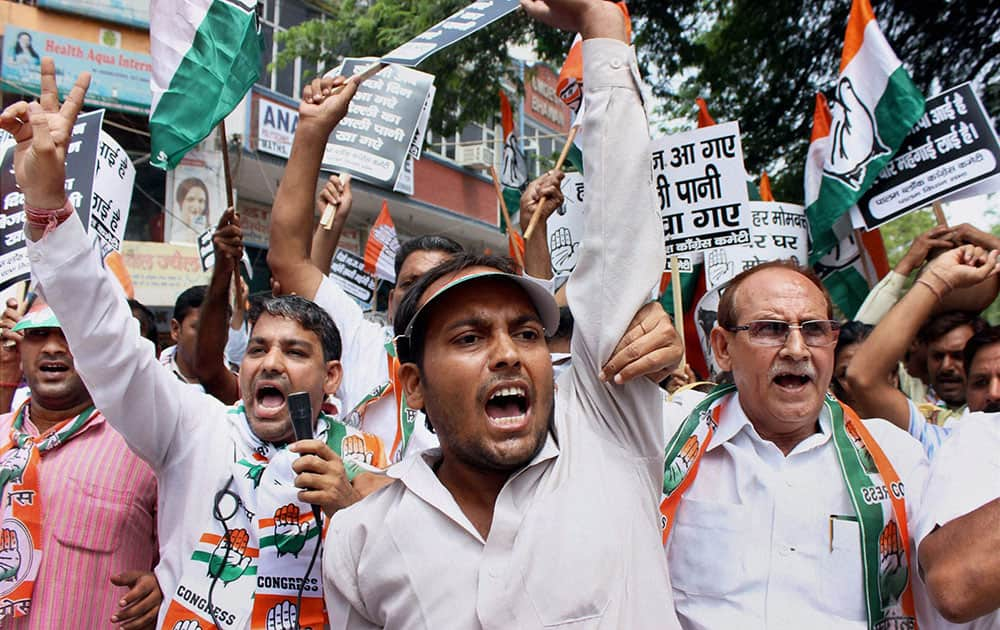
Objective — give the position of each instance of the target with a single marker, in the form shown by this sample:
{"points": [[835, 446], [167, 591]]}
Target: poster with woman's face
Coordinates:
{"points": [[195, 196]]}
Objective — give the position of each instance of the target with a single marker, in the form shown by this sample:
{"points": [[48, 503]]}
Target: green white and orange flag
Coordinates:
{"points": [[875, 104], [382, 245], [854, 264], [206, 55]]}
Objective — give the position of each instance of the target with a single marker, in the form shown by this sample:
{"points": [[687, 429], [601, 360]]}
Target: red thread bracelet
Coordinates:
{"points": [[47, 219]]}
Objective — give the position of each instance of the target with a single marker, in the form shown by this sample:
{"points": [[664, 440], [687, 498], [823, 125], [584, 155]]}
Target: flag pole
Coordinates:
{"points": [[506, 215], [559, 164], [866, 263], [230, 203], [675, 283], [939, 214]]}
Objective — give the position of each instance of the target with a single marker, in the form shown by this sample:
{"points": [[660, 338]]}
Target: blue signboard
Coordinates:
{"points": [[119, 78], [130, 12]]}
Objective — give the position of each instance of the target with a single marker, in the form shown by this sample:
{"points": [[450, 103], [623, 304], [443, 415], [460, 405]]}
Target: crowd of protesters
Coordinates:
{"points": [[501, 454]]}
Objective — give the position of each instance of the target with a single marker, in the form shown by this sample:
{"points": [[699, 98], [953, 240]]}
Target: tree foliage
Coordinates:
{"points": [[468, 74], [757, 62]]}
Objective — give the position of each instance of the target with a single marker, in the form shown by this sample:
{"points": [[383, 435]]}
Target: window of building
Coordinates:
{"points": [[275, 17]]}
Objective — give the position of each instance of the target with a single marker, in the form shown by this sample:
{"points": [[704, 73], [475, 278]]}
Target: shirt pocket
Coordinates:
{"points": [[843, 582], [709, 548], [95, 516]]}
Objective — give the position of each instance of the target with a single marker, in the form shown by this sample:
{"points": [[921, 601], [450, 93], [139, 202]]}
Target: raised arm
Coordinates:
{"points": [[213, 327], [622, 256], [336, 192], [866, 374], [288, 255], [141, 399]]}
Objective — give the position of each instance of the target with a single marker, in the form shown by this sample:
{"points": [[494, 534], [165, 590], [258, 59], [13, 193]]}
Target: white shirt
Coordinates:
{"points": [[964, 476], [751, 546], [575, 537]]}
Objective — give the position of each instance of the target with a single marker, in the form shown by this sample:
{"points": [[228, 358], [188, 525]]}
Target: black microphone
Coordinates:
{"points": [[300, 408]]}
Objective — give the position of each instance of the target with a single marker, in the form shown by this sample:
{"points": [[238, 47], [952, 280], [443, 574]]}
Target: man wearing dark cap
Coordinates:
{"points": [[539, 508]]}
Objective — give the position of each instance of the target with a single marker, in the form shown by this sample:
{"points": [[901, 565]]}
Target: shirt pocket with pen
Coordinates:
{"points": [[842, 580], [95, 516], [709, 548]]}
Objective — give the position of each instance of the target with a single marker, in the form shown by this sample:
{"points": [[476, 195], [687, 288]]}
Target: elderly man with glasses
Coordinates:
{"points": [[781, 508]]}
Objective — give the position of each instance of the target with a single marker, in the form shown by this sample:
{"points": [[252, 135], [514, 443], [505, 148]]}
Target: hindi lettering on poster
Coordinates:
{"points": [[114, 177], [160, 271], [348, 271], [459, 25], [952, 147], [81, 155], [700, 183], [778, 231], [383, 121]]}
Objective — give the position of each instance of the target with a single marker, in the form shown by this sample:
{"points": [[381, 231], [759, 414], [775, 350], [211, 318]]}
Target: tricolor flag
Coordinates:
{"points": [[206, 55], [875, 104], [380, 250], [513, 176], [852, 266]]}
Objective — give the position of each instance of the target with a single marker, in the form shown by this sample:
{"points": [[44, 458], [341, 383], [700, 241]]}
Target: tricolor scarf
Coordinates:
{"points": [[405, 417], [21, 534], [873, 485], [255, 553]]}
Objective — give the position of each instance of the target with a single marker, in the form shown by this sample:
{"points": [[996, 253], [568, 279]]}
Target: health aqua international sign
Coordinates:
{"points": [[130, 12], [119, 78]]}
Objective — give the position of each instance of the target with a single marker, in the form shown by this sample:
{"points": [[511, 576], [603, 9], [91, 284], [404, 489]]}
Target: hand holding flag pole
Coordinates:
{"points": [[506, 215], [559, 164], [230, 203]]}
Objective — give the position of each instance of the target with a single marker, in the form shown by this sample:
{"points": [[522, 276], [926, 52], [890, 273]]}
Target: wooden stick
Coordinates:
{"points": [[559, 164], [939, 214], [675, 282], [230, 203], [372, 70], [331, 208], [506, 215], [865, 261]]}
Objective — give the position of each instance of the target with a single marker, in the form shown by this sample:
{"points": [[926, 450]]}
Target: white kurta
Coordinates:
{"points": [[575, 537]]}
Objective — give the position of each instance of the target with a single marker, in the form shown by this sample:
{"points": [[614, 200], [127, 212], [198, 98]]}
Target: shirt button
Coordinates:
{"points": [[616, 63], [34, 256]]}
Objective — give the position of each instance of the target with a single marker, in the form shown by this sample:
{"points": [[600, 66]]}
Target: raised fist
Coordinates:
{"points": [[289, 532], [10, 555], [283, 616], [229, 560]]}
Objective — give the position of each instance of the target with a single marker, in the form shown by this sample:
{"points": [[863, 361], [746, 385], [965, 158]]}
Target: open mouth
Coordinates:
{"points": [[789, 380], [53, 367], [507, 406], [269, 398]]}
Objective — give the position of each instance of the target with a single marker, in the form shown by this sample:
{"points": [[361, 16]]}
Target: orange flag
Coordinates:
{"points": [[765, 187], [380, 250], [704, 118]]}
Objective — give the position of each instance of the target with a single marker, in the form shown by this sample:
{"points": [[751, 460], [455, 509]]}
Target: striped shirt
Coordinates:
{"points": [[98, 520]]}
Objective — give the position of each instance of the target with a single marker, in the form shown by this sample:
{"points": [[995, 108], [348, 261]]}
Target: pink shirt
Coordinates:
{"points": [[98, 520]]}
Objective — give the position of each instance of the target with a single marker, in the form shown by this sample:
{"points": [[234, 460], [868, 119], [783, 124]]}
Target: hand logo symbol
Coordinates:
{"points": [[283, 616], [229, 561], [892, 573], [289, 532], [10, 555]]}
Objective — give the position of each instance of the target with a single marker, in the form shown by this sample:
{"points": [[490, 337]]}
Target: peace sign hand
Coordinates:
{"points": [[42, 131]]}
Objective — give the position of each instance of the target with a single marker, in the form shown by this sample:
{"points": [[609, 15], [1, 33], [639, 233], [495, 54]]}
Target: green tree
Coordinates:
{"points": [[757, 62]]}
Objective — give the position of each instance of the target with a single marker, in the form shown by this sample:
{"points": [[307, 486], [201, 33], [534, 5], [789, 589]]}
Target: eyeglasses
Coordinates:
{"points": [[774, 332]]}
